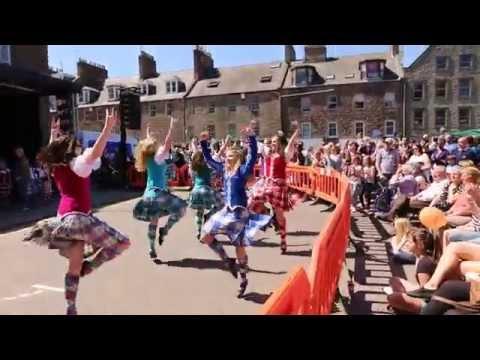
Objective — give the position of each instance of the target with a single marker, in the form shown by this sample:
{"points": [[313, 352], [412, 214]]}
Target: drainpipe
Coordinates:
{"points": [[404, 107]]}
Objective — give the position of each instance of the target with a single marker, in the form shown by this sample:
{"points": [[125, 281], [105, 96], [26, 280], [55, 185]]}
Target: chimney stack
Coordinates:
{"points": [[394, 50], [290, 55], [203, 66], [91, 74], [315, 53], [147, 66]]}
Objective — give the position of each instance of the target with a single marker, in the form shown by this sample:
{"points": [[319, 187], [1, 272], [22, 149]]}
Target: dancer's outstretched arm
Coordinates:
{"points": [[251, 160], [55, 131], [289, 150], [97, 150], [217, 166], [164, 150]]}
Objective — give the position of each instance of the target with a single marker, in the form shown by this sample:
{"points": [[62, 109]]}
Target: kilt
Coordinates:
{"points": [[164, 203], [272, 191], [205, 198], [238, 224], [59, 233]]}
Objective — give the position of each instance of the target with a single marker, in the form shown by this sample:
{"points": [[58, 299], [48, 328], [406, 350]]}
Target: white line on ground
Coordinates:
{"points": [[49, 288]]}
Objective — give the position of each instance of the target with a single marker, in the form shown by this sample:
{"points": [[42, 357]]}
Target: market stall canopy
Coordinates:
{"points": [[469, 132], [14, 79]]}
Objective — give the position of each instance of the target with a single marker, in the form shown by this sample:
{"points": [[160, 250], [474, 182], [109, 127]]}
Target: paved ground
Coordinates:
{"points": [[189, 280]]}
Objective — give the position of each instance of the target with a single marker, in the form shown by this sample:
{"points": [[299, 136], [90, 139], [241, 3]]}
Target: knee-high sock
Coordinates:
{"points": [[243, 267], [152, 233], [71, 289], [106, 254], [174, 217], [199, 220], [218, 249]]}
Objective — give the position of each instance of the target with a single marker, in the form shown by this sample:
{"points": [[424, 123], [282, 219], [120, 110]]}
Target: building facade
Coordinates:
{"points": [[443, 89], [333, 98]]}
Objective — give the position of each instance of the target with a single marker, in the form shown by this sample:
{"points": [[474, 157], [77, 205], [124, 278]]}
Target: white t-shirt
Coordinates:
{"points": [[82, 167], [435, 189]]}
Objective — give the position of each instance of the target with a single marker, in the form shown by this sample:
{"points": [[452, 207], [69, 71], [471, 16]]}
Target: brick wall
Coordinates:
{"points": [[345, 115], [426, 73], [198, 117]]}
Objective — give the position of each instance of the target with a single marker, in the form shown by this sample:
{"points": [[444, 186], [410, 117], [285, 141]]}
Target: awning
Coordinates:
{"points": [[19, 79], [469, 132]]}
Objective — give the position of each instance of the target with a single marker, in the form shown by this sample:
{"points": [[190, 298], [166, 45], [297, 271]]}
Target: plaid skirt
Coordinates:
{"points": [[238, 224], [272, 191], [60, 233], [163, 204], [205, 197]]}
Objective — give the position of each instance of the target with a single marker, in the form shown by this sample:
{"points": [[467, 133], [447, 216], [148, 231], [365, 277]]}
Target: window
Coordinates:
{"points": [[84, 97], [440, 118], [232, 130], [305, 76], [372, 69], [441, 89], [464, 116], [389, 100], [350, 76], [232, 108], [5, 55], [153, 110], [113, 93], [332, 102], [169, 108], [100, 114], [332, 130], [52, 103], [442, 63], [466, 61], [330, 77], [464, 88], [418, 91], [305, 103], [306, 130], [254, 106], [80, 98], [148, 89], [211, 131], [359, 128], [418, 118], [359, 102], [390, 128], [172, 87], [211, 107]]}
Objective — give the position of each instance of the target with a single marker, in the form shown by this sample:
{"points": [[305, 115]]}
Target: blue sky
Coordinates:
{"points": [[121, 60]]}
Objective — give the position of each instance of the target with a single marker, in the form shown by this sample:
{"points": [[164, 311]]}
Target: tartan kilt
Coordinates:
{"points": [[164, 203], [205, 197], [60, 233], [238, 224], [272, 191]]}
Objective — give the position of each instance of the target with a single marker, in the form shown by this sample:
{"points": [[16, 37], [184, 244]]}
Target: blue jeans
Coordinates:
{"points": [[404, 257], [464, 235]]}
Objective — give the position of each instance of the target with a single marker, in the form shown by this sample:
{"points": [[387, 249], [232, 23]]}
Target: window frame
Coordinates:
{"points": [[303, 101], [422, 126], [169, 108], [211, 108], [309, 126], [446, 62], [386, 127], [152, 110], [444, 110], [470, 65], [445, 82], [170, 85], [469, 123], [415, 84], [330, 102], [7, 59], [116, 92], [357, 122], [328, 130], [387, 101], [470, 82]]}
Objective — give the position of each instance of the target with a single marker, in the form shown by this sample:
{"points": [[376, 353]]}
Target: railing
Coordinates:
{"points": [[328, 252]]}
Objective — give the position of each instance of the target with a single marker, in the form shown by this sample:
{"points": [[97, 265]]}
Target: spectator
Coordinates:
{"points": [[369, 182], [464, 152], [387, 160], [333, 158], [440, 154], [451, 163], [355, 175], [420, 159], [450, 145], [22, 178]]}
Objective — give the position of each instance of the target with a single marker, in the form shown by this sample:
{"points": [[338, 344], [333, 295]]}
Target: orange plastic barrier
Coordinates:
{"points": [[329, 248], [292, 297]]}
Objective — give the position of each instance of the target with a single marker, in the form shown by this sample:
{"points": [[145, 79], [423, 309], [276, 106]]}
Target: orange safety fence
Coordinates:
{"points": [[329, 248], [292, 297]]}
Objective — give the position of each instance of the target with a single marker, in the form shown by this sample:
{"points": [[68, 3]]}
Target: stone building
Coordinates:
{"points": [[443, 89], [334, 98], [25, 85], [224, 100], [162, 97]]}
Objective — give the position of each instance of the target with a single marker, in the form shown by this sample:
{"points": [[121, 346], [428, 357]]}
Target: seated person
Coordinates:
{"points": [[404, 180], [402, 203], [401, 241], [451, 191], [420, 245]]}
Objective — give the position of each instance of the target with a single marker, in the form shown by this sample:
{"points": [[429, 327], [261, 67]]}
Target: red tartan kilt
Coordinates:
{"points": [[275, 192]]}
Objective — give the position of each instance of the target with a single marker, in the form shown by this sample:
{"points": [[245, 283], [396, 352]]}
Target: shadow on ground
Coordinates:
{"points": [[302, 233], [256, 298]]}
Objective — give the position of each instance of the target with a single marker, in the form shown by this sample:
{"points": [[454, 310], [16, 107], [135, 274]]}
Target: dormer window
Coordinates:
{"points": [[113, 93], [84, 97], [266, 78], [172, 87], [147, 88], [213, 84], [372, 69], [5, 55], [305, 76]]}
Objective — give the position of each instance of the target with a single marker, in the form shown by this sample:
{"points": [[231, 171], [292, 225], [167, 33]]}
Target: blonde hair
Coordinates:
{"points": [[402, 228], [144, 150], [473, 172], [231, 169]]}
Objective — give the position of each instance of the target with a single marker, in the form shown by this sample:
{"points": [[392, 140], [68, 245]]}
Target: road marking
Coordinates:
{"points": [[49, 288], [22, 296]]}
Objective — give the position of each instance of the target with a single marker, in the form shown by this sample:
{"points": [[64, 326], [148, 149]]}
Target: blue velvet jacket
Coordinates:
{"points": [[234, 185]]}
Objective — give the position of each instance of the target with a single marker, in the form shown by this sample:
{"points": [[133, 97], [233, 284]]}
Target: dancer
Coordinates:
{"points": [[75, 226], [274, 188], [157, 201], [203, 197], [234, 220]]}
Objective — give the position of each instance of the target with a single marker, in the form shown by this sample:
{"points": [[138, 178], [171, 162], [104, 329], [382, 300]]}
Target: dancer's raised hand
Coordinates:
{"points": [[204, 136], [111, 118]]}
